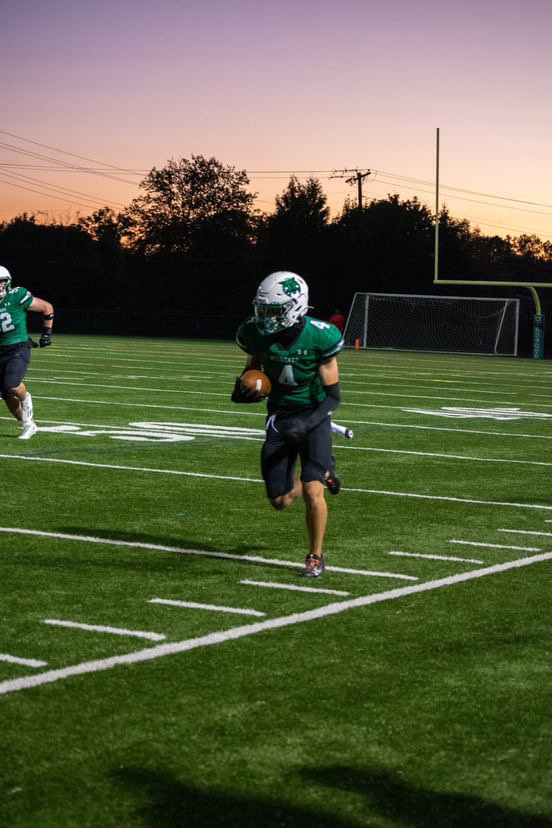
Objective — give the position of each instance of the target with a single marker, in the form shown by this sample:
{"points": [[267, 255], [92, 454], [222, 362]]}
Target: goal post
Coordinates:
{"points": [[446, 324]]}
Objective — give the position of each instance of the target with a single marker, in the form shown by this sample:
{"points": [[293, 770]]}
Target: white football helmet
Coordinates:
{"points": [[5, 281], [282, 299]]}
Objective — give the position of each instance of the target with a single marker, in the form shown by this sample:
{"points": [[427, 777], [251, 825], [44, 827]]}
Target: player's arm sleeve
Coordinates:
{"points": [[295, 428], [326, 407], [329, 374]]}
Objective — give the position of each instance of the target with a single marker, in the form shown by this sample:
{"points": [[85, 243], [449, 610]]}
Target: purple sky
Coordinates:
{"points": [[287, 86]]}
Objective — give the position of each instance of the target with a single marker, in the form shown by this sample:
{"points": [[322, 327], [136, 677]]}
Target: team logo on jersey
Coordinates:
{"points": [[290, 286]]}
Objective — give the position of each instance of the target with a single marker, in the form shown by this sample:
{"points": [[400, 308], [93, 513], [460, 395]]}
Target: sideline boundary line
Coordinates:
{"points": [[152, 653]]}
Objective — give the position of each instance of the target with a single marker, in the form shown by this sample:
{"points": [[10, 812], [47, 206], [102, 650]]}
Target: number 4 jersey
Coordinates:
{"points": [[13, 316], [293, 369]]}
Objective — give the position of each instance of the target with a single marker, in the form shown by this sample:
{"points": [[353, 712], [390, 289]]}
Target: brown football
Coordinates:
{"points": [[257, 381]]}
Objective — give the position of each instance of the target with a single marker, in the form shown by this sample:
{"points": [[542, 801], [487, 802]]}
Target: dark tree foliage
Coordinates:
{"points": [[187, 199], [54, 261], [295, 236], [193, 242]]}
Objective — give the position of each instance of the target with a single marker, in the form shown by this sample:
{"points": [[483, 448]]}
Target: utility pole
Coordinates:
{"points": [[358, 177]]}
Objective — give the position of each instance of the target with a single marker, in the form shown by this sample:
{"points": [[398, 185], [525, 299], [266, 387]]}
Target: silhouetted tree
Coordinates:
{"points": [[385, 247], [290, 238], [182, 199]]}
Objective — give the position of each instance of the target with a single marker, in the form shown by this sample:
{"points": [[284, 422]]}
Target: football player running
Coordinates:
{"points": [[298, 353], [15, 348]]}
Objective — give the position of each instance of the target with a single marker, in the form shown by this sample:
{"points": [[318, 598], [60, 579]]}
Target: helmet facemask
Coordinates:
{"points": [[281, 301], [5, 282]]}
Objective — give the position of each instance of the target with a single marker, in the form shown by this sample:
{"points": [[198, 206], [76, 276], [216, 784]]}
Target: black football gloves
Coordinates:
{"points": [[45, 338], [244, 395]]}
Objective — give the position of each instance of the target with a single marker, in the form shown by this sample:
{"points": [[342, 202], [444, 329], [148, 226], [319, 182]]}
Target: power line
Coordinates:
{"points": [[62, 152], [462, 190], [64, 164], [358, 177], [58, 188], [39, 192], [252, 172]]}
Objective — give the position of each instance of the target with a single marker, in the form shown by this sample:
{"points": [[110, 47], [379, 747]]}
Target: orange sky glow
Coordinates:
{"points": [[309, 87]]}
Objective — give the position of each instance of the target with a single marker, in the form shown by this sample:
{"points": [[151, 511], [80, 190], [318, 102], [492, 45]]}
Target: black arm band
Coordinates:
{"points": [[333, 398], [47, 316]]}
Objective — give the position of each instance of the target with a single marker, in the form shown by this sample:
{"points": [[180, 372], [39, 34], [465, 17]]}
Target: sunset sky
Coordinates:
{"points": [[277, 87]]}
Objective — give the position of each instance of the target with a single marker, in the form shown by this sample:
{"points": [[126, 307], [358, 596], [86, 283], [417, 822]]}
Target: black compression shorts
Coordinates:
{"points": [[14, 361]]}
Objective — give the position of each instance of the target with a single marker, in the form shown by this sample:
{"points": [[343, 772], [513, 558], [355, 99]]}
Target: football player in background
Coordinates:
{"points": [[15, 348], [298, 353]]}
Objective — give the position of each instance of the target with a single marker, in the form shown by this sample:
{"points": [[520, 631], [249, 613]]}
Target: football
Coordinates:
{"points": [[257, 381]]}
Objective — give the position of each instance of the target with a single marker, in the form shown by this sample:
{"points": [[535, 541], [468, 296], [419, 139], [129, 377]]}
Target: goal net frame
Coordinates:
{"points": [[357, 333]]}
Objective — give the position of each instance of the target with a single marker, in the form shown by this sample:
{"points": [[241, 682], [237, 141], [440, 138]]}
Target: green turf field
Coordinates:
{"points": [[159, 666]]}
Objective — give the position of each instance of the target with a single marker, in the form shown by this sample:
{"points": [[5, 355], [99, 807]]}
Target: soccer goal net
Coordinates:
{"points": [[455, 324]]}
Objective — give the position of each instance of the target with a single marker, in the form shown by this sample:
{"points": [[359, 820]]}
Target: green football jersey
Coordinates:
{"points": [[293, 370], [13, 316]]}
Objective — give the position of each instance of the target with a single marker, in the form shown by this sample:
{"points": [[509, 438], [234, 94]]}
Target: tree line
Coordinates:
{"points": [[193, 242]]}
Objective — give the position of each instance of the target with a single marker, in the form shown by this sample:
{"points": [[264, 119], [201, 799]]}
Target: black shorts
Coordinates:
{"points": [[14, 361], [279, 457]]}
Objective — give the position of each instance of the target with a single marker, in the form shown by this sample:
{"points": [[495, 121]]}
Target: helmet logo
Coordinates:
{"points": [[290, 286]]}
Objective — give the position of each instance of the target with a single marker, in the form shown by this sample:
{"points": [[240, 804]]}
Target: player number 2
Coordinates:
{"points": [[286, 376], [6, 323]]}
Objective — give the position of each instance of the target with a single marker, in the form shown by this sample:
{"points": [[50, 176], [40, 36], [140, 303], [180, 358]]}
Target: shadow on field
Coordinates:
{"points": [[172, 804], [395, 798], [169, 803], [179, 542]]}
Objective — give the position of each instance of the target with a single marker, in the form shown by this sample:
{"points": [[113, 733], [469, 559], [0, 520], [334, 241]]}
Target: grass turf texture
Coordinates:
{"points": [[431, 709]]}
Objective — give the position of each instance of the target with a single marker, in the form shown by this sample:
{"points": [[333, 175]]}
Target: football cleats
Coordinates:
{"points": [[282, 299], [5, 281]]}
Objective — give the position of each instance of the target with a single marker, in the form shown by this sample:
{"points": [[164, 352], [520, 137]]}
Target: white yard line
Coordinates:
{"points": [[237, 432], [129, 468], [449, 499], [294, 587], [161, 650], [496, 546], [527, 531], [443, 455], [157, 547], [149, 636], [383, 492], [261, 413], [196, 375], [139, 388], [24, 662], [435, 428], [394, 394], [435, 557], [193, 605]]}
